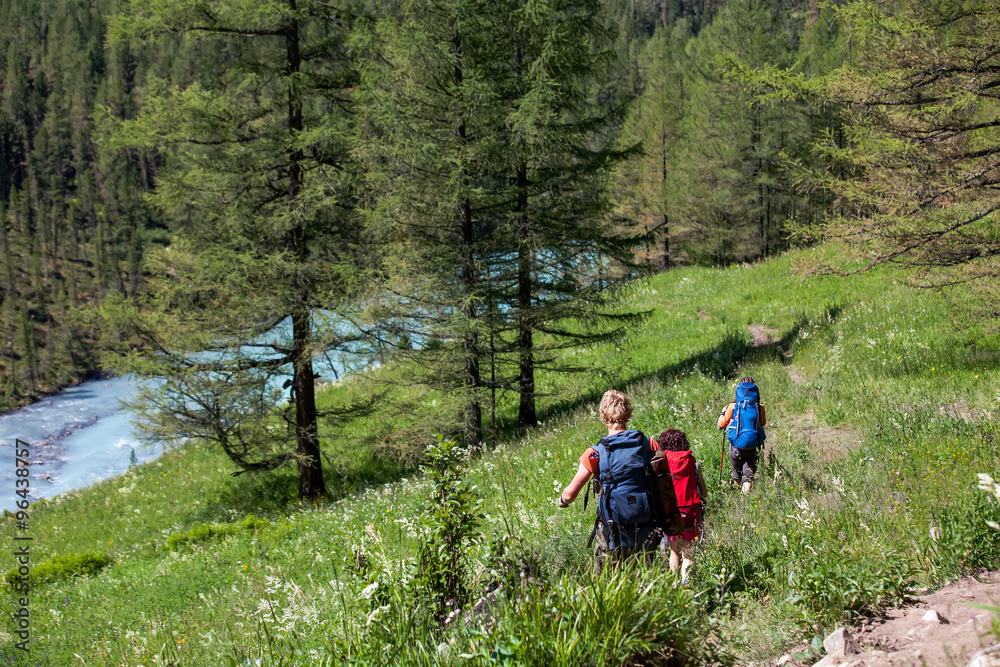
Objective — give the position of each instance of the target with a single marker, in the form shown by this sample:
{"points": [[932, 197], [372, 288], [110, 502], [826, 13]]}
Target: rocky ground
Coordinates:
{"points": [[942, 628]]}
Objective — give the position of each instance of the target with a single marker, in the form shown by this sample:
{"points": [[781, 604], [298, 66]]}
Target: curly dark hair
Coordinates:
{"points": [[747, 378], [673, 440]]}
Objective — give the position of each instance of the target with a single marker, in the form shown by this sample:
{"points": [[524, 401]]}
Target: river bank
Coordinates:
{"points": [[9, 404]]}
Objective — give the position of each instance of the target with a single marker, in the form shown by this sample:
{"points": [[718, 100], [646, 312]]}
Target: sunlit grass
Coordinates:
{"points": [[835, 527]]}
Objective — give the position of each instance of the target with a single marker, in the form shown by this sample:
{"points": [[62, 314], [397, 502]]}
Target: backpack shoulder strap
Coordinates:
{"points": [[603, 461], [647, 447]]}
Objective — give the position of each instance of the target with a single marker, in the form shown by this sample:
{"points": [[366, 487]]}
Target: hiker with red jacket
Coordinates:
{"points": [[744, 420], [691, 490], [626, 522]]}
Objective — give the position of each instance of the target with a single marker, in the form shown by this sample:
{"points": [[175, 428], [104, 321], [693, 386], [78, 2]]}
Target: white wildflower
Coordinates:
{"points": [[838, 484]]}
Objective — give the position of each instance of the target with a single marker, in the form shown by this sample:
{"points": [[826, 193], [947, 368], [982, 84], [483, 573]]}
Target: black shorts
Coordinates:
{"points": [[744, 463]]}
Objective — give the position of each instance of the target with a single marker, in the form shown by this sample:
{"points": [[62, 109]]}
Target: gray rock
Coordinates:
{"points": [[484, 611], [989, 657], [839, 640], [831, 659]]}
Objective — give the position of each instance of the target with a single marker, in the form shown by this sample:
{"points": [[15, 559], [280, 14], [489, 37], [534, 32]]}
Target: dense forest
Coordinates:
{"points": [[701, 184], [74, 223]]}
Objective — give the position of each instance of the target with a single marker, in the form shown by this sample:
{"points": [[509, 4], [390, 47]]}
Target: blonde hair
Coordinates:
{"points": [[615, 409]]}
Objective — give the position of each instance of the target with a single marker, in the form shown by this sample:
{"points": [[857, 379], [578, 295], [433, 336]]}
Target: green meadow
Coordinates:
{"points": [[882, 409]]}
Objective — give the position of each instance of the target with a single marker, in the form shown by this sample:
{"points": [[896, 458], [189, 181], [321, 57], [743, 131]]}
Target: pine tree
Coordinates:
{"points": [[427, 143], [648, 187], [557, 163], [734, 163], [487, 174]]}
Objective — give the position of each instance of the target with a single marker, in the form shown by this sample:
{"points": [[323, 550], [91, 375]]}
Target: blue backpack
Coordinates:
{"points": [[745, 430], [627, 509]]}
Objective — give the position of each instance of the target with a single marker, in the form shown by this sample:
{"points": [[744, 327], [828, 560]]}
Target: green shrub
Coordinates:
{"points": [[829, 586], [207, 532], [451, 523], [87, 563], [626, 614]]}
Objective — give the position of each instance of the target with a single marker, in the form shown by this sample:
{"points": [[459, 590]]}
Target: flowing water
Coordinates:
{"points": [[82, 435], [77, 437]]}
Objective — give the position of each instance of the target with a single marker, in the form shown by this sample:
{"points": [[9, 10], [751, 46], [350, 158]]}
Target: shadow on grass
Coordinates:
{"points": [[276, 492], [347, 473], [721, 362]]}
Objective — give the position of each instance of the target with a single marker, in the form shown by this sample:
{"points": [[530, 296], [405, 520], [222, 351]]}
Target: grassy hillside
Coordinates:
{"points": [[882, 409]]}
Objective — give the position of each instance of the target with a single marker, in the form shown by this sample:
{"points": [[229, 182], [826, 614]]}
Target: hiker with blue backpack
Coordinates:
{"points": [[636, 502], [744, 420]]}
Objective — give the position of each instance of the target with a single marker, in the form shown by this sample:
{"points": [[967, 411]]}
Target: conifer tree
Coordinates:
{"points": [[648, 188], [916, 174], [487, 174], [259, 187], [427, 144], [560, 154], [740, 200]]}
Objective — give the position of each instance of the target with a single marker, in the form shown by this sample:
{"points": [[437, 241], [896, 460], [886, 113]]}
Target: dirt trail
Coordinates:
{"points": [[763, 335], [939, 629], [828, 443]]}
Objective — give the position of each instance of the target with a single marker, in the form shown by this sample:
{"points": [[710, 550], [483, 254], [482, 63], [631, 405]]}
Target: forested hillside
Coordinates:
{"points": [[74, 225], [702, 183]]}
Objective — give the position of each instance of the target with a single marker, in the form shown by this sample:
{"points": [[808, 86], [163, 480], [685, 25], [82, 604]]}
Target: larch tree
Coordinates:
{"points": [[427, 138], [649, 186], [916, 175], [566, 258], [258, 182], [488, 163]]}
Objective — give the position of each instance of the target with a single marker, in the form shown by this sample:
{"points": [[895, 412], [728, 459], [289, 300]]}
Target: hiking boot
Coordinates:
{"points": [[747, 486]]}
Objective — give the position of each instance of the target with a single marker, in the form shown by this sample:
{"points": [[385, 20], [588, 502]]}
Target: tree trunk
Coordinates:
{"points": [[470, 342], [526, 416], [133, 261], [755, 142], [311, 484], [663, 192]]}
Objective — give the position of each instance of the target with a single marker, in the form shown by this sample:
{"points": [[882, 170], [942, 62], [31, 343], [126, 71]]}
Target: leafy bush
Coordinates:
{"points": [[206, 532], [632, 614], [88, 563], [829, 586], [621, 615], [451, 522]]}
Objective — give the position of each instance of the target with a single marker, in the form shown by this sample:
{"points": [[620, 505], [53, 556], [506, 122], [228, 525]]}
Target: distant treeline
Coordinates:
{"points": [[702, 182]]}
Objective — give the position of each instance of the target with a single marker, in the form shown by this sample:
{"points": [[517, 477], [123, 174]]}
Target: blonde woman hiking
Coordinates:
{"points": [[625, 522]]}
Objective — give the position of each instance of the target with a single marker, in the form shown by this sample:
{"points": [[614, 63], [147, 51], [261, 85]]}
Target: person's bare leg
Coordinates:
{"points": [[687, 551], [675, 555], [687, 563]]}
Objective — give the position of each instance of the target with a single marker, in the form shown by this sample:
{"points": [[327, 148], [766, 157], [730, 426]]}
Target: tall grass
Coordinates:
{"points": [[881, 405]]}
